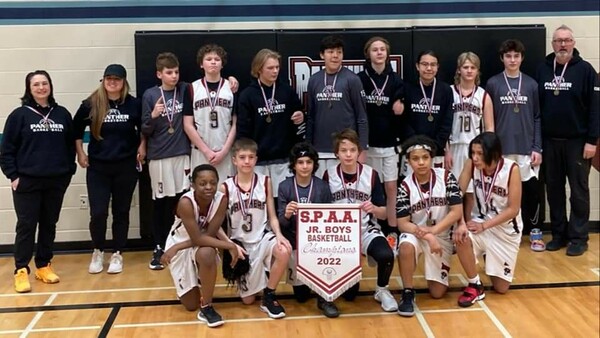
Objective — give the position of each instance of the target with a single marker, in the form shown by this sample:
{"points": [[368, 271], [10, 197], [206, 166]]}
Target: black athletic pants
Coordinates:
{"points": [[106, 180], [164, 216], [563, 160], [37, 200]]}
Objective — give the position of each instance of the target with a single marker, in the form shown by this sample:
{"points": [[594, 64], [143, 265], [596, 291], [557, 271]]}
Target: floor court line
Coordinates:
{"points": [[596, 271], [83, 306], [423, 322], [53, 329], [37, 317], [494, 319], [157, 288]]}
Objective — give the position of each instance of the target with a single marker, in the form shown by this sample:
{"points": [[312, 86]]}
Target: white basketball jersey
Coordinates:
{"points": [[213, 125], [356, 191], [417, 198], [178, 232], [468, 115], [249, 228], [498, 201]]}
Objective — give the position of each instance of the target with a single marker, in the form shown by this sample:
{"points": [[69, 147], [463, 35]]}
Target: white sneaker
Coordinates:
{"points": [[384, 296], [116, 263], [97, 263]]}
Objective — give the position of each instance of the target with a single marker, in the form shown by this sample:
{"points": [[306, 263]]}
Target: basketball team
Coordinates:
{"points": [[436, 169]]}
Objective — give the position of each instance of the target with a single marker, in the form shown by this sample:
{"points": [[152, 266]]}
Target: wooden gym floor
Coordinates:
{"points": [[552, 295]]}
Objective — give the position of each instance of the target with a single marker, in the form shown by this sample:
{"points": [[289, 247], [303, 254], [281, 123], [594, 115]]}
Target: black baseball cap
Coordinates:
{"points": [[115, 70]]}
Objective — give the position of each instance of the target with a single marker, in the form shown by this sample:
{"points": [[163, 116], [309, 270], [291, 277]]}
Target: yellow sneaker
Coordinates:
{"points": [[46, 275], [22, 281]]}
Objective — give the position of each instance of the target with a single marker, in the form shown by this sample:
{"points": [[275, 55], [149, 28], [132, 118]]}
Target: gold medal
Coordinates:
{"points": [[430, 118], [516, 109], [268, 119], [171, 130], [556, 92], [46, 125], [378, 102], [429, 222]]}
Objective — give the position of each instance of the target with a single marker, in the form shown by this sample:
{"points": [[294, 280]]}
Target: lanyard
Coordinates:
{"points": [[245, 205], [309, 190]]}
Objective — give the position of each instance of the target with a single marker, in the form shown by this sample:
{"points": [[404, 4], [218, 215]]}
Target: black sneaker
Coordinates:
{"points": [[576, 249], [271, 306], [406, 307], [209, 316], [555, 244], [155, 263], [328, 308]]}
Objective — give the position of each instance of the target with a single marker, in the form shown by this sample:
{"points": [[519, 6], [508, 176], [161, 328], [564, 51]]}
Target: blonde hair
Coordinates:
{"points": [[261, 58], [462, 59], [100, 106]]}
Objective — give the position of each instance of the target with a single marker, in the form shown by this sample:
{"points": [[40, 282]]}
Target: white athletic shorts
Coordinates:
{"points": [[527, 171], [260, 255], [500, 245], [225, 168], [437, 268], [184, 270], [169, 176], [277, 172], [385, 161], [326, 160]]}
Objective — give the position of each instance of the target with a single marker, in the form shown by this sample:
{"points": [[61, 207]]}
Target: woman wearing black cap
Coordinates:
{"points": [[115, 149], [37, 155]]}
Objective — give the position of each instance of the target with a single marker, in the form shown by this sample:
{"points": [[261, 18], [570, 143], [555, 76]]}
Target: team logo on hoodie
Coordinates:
{"points": [[114, 116]]}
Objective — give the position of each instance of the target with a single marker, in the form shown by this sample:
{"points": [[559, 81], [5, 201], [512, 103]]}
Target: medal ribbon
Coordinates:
{"points": [[358, 170], [205, 220], [245, 205], [309, 190], [487, 193], [428, 202], [510, 92], [379, 92], [429, 103], [44, 117], [558, 79], [212, 101], [333, 85], [268, 105], [172, 113]]}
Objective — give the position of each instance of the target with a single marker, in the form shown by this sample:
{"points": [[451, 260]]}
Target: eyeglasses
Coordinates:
{"points": [[429, 64], [561, 41]]}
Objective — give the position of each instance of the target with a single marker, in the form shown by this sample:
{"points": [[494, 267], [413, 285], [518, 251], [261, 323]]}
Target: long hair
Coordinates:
{"points": [[27, 98], [474, 59], [100, 106]]}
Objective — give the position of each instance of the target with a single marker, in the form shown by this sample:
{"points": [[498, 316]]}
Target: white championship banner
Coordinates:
{"points": [[328, 255]]}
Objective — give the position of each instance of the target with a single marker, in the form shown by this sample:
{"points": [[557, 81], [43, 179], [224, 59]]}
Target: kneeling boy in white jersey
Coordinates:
{"points": [[495, 228], [190, 249], [429, 203]]}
